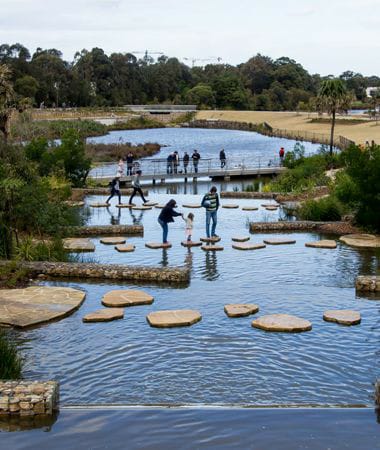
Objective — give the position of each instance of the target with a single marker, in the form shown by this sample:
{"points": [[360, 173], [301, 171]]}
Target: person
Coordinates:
{"points": [[189, 226], [137, 187], [175, 161], [169, 164], [211, 202], [165, 217], [129, 163], [115, 189], [186, 159], [281, 154], [222, 157], [195, 157], [120, 167]]}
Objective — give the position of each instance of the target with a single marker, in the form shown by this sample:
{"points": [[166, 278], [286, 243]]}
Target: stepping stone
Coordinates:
{"points": [[78, 245], [160, 206], [141, 208], [323, 243], [192, 205], [156, 245], [342, 316], [37, 304], [248, 246], [126, 297], [191, 243], [99, 205], [279, 241], [361, 240], [241, 238], [230, 206], [282, 322], [150, 203], [124, 205], [113, 240], [173, 318], [210, 239], [240, 309], [212, 248], [75, 204], [269, 205], [249, 208], [271, 208], [125, 248], [104, 315]]}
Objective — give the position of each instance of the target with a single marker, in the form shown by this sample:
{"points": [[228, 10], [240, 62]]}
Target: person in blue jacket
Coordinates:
{"points": [[166, 216]]}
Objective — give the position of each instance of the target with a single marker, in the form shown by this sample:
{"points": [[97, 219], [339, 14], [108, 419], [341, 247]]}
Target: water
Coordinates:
{"points": [[219, 360]]}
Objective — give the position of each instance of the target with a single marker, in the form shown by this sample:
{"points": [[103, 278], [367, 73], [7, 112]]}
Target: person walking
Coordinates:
{"points": [[166, 216], [115, 189], [211, 202], [281, 154], [222, 157], [129, 163], [186, 159], [137, 187], [195, 157], [169, 164]]}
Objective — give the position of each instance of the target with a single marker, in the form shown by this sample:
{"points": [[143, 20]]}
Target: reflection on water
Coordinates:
{"points": [[210, 270], [12, 423], [114, 216]]}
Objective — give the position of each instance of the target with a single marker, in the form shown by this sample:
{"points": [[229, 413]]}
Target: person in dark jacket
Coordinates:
{"points": [[166, 216], [195, 157], [186, 159], [115, 189], [169, 164], [129, 163], [222, 157]]}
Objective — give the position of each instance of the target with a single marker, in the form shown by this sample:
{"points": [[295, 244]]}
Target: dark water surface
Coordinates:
{"points": [[219, 360]]}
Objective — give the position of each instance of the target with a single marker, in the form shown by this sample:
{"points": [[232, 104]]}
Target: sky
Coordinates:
{"points": [[325, 36]]}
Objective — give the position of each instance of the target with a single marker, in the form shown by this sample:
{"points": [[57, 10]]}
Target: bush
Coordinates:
{"points": [[324, 209], [11, 276], [31, 250], [10, 362]]}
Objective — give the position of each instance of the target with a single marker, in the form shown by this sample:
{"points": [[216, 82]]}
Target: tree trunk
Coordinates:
{"points": [[332, 132]]}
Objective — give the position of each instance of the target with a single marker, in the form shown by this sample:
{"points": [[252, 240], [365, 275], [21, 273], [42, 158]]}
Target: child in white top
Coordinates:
{"points": [[189, 226]]}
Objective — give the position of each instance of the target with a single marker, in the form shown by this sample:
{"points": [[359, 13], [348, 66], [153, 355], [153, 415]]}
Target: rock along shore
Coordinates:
{"points": [[338, 228], [109, 230]]}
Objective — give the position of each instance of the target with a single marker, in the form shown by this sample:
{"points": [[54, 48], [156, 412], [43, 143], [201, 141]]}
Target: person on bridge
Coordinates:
{"points": [[129, 163], [120, 167], [115, 189], [166, 216], [195, 157], [211, 202], [175, 161], [186, 159], [281, 154], [222, 157], [137, 187], [169, 164]]}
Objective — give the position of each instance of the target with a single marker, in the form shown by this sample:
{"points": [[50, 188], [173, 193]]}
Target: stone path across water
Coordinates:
{"points": [[78, 245], [126, 297], [240, 309], [104, 315], [125, 248], [279, 241], [247, 246], [342, 316], [361, 240], [191, 243], [157, 245], [212, 248], [173, 318], [240, 238], [113, 240], [323, 243], [282, 322]]}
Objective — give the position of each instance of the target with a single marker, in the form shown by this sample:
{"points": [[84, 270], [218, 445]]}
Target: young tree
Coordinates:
{"points": [[6, 97]]}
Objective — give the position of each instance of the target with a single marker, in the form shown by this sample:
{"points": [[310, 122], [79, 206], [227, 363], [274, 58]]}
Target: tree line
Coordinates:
{"points": [[94, 78]]}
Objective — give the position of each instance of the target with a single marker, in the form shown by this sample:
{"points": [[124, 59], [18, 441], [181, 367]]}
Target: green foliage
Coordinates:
{"points": [[136, 124], [324, 209], [201, 95], [30, 249], [294, 157], [12, 276], [10, 362]]}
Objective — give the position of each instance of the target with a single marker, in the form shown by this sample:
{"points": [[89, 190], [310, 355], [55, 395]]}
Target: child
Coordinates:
{"points": [[189, 226]]}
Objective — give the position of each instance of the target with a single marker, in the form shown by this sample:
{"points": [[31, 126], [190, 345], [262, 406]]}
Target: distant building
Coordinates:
{"points": [[371, 91]]}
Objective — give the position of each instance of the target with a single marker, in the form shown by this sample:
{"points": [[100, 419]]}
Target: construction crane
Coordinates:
{"points": [[194, 60], [147, 55]]}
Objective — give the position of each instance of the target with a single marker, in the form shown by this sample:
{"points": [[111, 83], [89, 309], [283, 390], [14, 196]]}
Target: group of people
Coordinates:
{"points": [[173, 162], [132, 165]]}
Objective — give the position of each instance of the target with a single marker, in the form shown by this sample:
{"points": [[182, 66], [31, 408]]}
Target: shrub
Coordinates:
{"points": [[11, 276], [324, 209], [10, 362], [31, 250]]}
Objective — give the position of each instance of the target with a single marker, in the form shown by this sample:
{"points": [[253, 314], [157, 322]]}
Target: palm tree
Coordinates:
{"points": [[6, 97], [333, 97]]}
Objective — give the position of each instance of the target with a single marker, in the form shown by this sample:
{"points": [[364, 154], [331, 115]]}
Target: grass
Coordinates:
{"points": [[113, 152], [10, 361]]}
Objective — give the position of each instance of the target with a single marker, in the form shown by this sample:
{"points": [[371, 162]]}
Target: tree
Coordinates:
{"points": [[6, 97], [333, 97], [201, 94]]}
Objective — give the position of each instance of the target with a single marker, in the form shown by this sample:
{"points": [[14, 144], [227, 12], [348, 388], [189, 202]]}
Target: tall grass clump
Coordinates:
{"points": [[10, 361], [324, 209]]}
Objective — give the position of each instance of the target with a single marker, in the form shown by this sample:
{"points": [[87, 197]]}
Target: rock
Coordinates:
{"points": [[37, 304], [192, 205], [156, 245], [210, 239], [150, 203], [230, 206], [126, 297], [191, 243], [323, 243], [342, 316], [240, 309], [104, 315], [75, 204], [240, 238], [141, 208], [282, 322], [212, 248], [125, 248], [173, 318], [271, 208], [248, 246], [269, 205], [78, 245], [160, 206], [99, 205], [361, 240], [279, 241], [112, 240], [249, 208], [124, 205]]}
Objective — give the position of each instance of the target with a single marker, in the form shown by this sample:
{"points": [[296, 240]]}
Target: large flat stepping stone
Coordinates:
{"points": [[361, 240], [78, 245], [104, 315], [279, 241], [37, 304], [100, 205], [75, 204], [124, 205], [240, 309], [342, 316], [271, 208], [210, 239], [113, 240], [127, 248], [192, 205], [282, 322], [240, 238], [191, 243], [160, 206], [247, 246], [323, 243], [173, 318], [126, 297], [150, 203], [141, 208], [212, 248], [270, 205], [157, 245], [230, 206], [249, 208]]}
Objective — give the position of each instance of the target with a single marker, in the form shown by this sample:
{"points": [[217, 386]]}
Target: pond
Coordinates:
{"points": [[219, 360]]}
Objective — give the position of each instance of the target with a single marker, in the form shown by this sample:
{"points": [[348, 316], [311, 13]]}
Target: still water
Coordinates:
{"points": [[219, 360]]}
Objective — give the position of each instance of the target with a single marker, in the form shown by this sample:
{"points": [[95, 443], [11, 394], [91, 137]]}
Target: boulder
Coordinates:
{"points": [[78, 245], [282, 322], [113, 240], [104, 315], [212, 248], [271, 208], [230, 206], [191, 243], [192, 205], [323, 243], [248, 246], [269, 205], [125, 248], [240, 309], [249, 208], [240, 238], [126, 297], [342, 316], [124, 205], [157, 245], [210, 239], [279, 241], [361, 240], [99, 205], [173, 318], [141, 208]]}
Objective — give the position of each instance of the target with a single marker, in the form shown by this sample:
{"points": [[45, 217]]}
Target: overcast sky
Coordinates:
{"points": [[325, 36]]}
